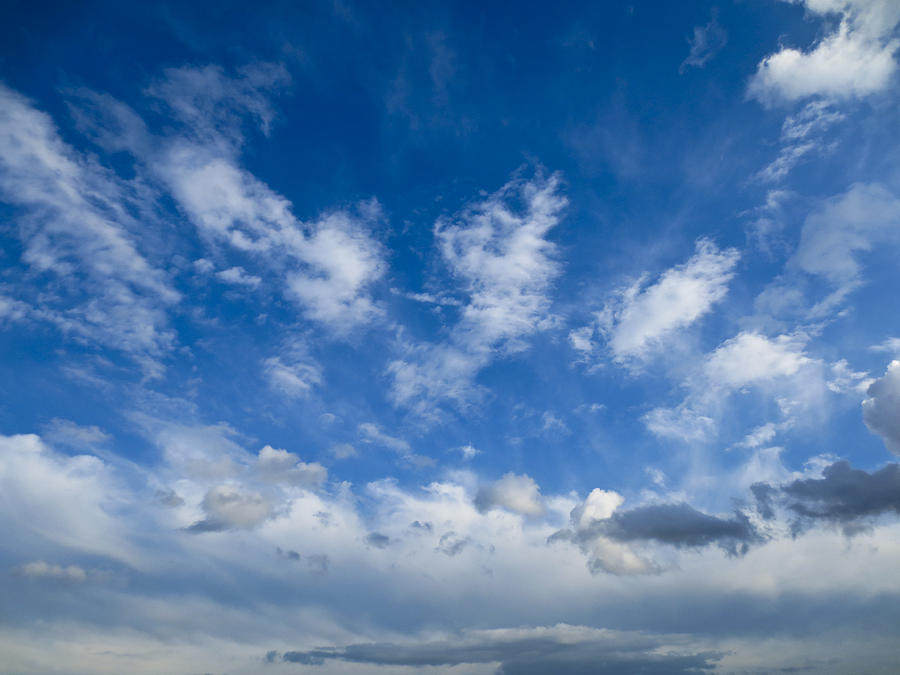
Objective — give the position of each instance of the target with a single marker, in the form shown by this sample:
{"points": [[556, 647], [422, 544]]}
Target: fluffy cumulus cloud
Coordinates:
{"points": [[642, 317], [881, 409], [749, 358], [519, 494], [855, 60]]}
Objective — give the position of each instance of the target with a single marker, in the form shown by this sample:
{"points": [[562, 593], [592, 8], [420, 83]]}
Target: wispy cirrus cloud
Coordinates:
{"points": [[504, 263], [637, 321]]}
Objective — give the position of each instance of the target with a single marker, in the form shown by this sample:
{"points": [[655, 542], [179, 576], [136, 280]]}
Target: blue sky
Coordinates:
{"points": [[446, 337]]}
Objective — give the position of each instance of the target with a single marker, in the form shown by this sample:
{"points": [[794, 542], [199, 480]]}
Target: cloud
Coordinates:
{"points": [[378, 540], [228, 507], [208, 101], [604, 532], [237, 276], [525, 651], [74, 220], [42, 570], [855, 60], [281, 466], [499, 252], [326, 265], [845, 226], [69, 501], [843, 495], [707, 41], [881, 410], [801, 134], [372, 433], [750, 357], [640, 318], [519, 494], [294, 375]]}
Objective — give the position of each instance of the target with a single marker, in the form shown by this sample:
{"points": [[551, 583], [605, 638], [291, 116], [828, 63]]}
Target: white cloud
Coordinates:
{"points": [[238, 276], [598, 505], [343, 451], [800, 135], [292, 376], [855, 60], [881, 410], [469, 451], [70, 502], [682, 423], [640, 318], [750, 357], [519, 494], [75, 224], [505, 264], [504, 261]]}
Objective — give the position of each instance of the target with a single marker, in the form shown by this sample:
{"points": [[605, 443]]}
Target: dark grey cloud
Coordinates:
{"points": [[562, 649], [843, 496], [378, 540], [678, 525], [682, 526]]}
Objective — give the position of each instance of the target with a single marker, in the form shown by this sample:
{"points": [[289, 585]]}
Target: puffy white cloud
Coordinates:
{"points": [[519, 494], [52, 499], [855, 60], [881, 410], [750, 357], [598, 505], [238, 276], [640, 318]]}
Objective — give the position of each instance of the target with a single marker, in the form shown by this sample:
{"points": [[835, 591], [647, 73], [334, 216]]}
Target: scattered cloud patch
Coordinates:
{"points": [[854, 61]]}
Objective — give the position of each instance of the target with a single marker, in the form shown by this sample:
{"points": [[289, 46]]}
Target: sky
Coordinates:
{"points": [[450, 337]]}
